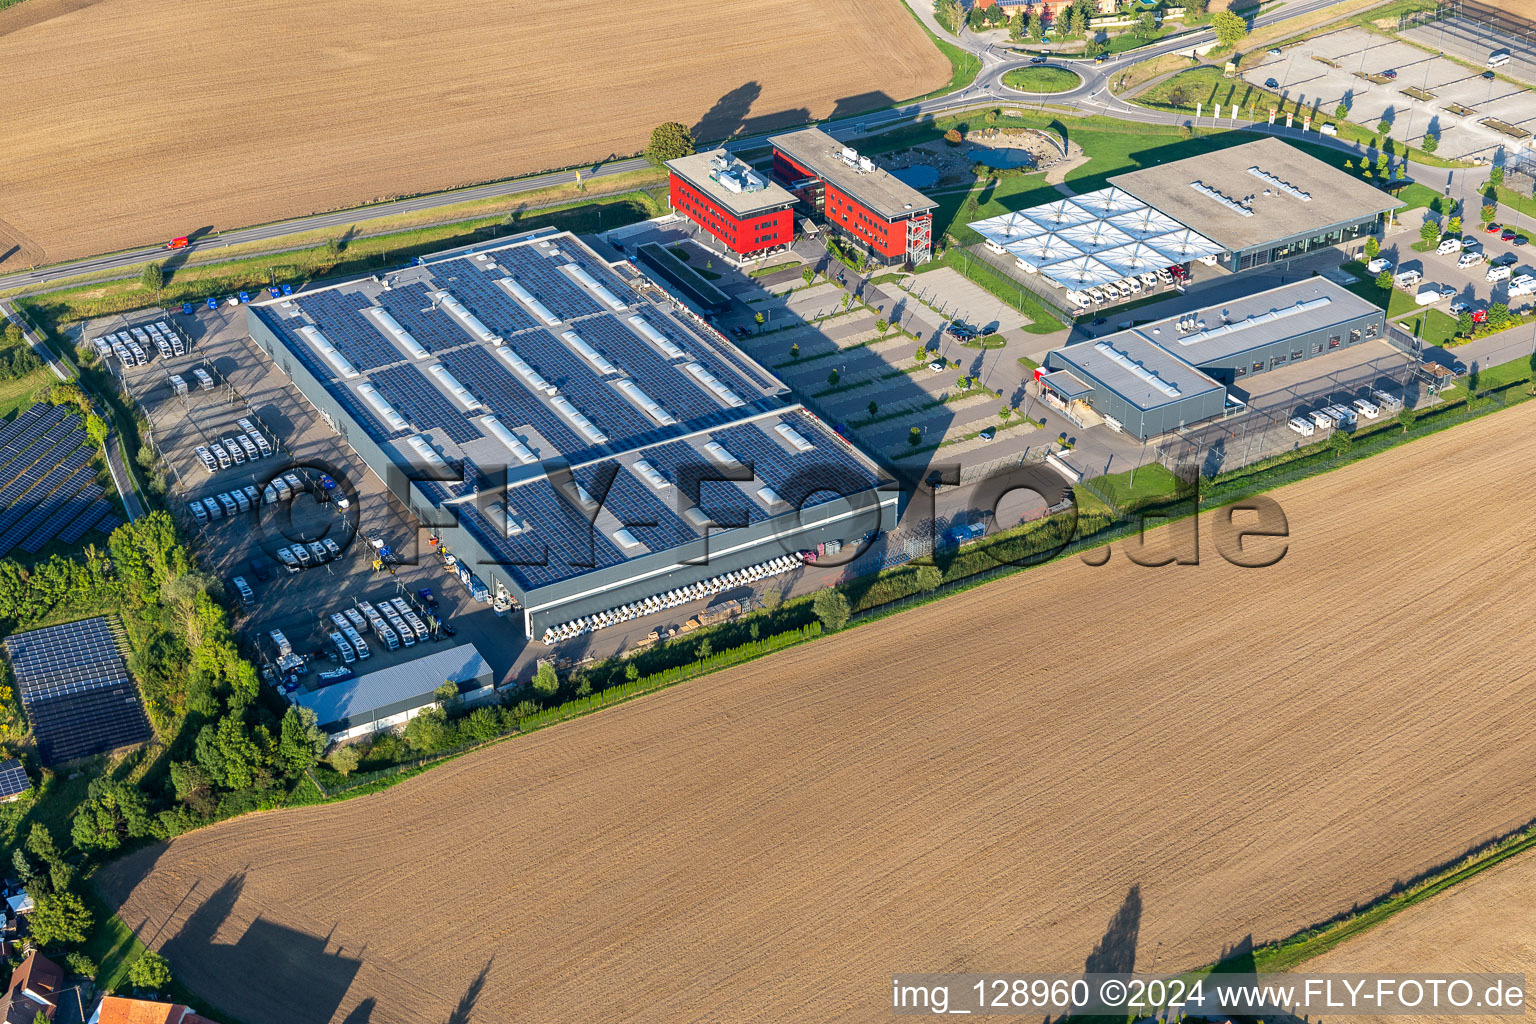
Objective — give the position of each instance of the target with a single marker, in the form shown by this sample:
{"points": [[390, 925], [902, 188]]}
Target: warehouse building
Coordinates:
{"points": [[393, 696], [748, 213], [1182, 370], [1263, 201], [1239, 208], [590, 448], [852, 195]]}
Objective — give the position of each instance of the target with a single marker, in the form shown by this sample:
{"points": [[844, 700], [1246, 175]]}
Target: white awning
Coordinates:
{"points": [[1107, 202]]}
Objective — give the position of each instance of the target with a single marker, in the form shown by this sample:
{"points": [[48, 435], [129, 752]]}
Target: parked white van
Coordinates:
{"points": [[1499, 273], [1366, 408], [1379, 264], [1406, 279], [1302, 426], [1448, 246], [1522, 284], [1469, 259], [1321, 419], [1345, 417]]}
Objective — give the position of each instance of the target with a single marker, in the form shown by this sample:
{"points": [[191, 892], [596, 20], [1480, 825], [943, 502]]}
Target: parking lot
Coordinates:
{"points": [[1295, 391], [1470, 284], [1347, 67]]}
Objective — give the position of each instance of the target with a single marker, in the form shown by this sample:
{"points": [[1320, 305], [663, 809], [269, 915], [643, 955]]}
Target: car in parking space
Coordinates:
{"points": [[1270, 83], [938, 366], [1389, 74], [1379, 264], [1489, 75], [1458, 307], [1459, 368], [1447, 292], [1520, 240], [1468, 259], [987, 433], [1275, 52], [1507, 259], [1508, 234], [1493, 229]]}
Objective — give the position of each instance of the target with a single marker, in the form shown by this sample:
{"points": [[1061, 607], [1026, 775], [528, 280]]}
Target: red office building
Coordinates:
{"points": [[744, 210], [882, 214]]}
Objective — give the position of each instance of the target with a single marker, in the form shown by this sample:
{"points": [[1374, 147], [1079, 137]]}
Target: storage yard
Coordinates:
{"points": [[231, 114], [727, 849]]}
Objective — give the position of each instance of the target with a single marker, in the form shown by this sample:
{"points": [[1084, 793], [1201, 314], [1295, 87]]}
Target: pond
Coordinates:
{"points": [[918, 176], [1002, 158]]}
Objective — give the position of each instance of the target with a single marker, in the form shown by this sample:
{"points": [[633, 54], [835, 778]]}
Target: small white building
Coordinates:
{"points": [[393, 696]]}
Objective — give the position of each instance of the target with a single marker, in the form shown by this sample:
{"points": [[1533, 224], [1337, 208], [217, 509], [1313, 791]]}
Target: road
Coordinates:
{"points": [[1093, 97]]}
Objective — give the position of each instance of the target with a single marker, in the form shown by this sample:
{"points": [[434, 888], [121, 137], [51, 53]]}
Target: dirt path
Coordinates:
{"points": [[984, 783]]}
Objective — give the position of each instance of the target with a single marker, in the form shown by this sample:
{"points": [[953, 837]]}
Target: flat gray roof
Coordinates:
{"points": [[1066, 384], [389, 691], [1256, 320], [1137, 370], [702, 171], [879, 189], [1333, 196]]}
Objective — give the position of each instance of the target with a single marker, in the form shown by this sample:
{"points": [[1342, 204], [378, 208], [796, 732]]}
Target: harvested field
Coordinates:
{"points": [[1197, 754], [140, 120], [1483, 925]]}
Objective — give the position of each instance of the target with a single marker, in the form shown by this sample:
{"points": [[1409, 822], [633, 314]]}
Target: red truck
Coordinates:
{"points": [[179, 243]]}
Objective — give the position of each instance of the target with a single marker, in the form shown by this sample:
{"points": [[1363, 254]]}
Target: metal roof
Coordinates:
{"points": [[1136, 369], [389, 691], [1227, 329], [714, 173], [875, 187], [1282, 191], [1066, 384]]}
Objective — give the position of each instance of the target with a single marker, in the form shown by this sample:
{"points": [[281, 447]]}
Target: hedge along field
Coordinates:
{"points": [[237, 112], [1009, 775]]}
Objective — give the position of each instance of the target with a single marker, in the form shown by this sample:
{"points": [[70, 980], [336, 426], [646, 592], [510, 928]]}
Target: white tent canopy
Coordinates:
{"points": [[1183, 246], [1082, 272], [1146, 223], [1096, 236], [1136, 258], [1060, 214], [1006, 227], [1107, 202], [1043, 250]]}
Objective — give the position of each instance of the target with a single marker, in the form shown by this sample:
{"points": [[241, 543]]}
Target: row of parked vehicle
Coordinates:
{"points": [[1128, 288], [236, 450], [226, 505], [133, 345], [1337, 415]]}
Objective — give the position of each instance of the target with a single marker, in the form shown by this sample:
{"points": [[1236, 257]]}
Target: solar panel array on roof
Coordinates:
{"points": [[495, 308], [803, 479], [637, 506], [76, 690], [339, 319], [420, 401], [13, 779], [509, 398], [542, 276], [413, 307]]}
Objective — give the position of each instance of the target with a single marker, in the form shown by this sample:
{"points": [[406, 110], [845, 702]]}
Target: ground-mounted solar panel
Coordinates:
{"points": [[84, 724], [65, 517], [31, 423], [22, 457], [13, 779], [107, 523], [46, 509], [76, 689], [93, 513]]}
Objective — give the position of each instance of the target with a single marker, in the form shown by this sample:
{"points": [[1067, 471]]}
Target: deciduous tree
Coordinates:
{"points": [[831, 607], [150, 971], [669, 140], [1230, 29], [59, 917]]}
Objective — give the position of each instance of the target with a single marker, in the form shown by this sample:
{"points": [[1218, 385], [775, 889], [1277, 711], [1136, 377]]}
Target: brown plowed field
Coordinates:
{"points": [[133, 121], [1200, 753], [1485, 925]]}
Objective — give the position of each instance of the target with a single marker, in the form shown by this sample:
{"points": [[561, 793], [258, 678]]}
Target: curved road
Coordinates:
{"points": [[1093, 97]]}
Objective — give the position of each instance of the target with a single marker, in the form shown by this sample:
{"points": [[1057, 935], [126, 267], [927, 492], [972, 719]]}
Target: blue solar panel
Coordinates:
{"points": [[24, 454], [419, 400], [13, 779], [31, 423], [574, 547], [337, 316], [412, 307], [634, 504], [803, 479], [41, 505], [542, 276], [481, 296], [75, 515], [695, 474], [506, 395], [107, 523]]}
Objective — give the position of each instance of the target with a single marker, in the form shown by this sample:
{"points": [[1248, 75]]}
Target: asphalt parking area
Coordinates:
{"points": [[1430, 93]]}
